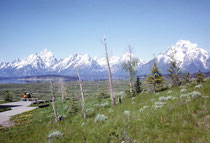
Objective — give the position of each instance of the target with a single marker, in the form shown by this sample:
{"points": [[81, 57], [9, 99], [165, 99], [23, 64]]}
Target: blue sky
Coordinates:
{"points": [[66, 27]]}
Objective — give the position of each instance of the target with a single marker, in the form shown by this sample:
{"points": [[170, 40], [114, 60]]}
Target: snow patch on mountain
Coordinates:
{"points": [[188, 56]]}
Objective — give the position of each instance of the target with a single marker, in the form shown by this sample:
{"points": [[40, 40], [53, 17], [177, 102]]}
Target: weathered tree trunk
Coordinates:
{"points": [[130, 70], [53, 102], [110, 75], [131, 89], [62, 90], [82, 94]]}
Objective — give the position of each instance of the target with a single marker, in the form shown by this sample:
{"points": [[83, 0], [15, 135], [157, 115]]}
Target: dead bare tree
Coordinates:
{"points": [[130, 67], [62, 83], [110, 75], [82, 94], [53, 101]]}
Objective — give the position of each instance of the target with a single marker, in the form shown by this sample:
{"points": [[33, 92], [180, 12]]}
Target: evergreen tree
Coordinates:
{"points": [[155, 79], [187, 77], [137, 85], [103, 95], [73, 105], [8, 96], [200, 76], [174, 71]]}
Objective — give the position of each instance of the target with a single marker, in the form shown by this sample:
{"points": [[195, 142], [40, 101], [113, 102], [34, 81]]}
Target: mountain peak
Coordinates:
{"points": [[46, 53], [189, 56], [185, 44]]}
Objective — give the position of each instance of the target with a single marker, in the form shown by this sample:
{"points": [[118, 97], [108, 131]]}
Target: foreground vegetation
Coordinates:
{"points": [[177, 114]]}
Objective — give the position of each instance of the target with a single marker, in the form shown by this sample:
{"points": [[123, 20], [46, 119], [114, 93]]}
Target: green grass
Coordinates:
{"points": [[42, 90], [178, 120], [2, 101], [5, 109]]}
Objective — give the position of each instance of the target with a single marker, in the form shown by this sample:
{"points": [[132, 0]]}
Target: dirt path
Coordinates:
{"points": [[16, 108]]}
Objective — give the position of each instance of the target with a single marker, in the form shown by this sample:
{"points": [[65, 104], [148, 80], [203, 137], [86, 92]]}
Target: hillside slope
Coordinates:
{"points": [[169, 116]]}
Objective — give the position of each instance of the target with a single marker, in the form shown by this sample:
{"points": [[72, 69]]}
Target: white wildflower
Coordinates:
{"points": [[157, 93], [198, 86], [183, 90], [144, 107], [170, 85], [66, 108], [162, 98], [110, 110], [195, 94], [105, 104], [141, 110], [171, 98], [127, 113], [205, 97], [169, 92], [158, 106], [100, 117], [90, 110], [159, 103], [184, 96], [55, 134], [182, 87], [83, 124]]}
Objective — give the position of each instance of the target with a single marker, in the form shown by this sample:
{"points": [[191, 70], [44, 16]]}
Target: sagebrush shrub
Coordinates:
{"points": [[110, 110], [184, 96], [169, 92], [198, 86], [183, 90], [55, 134], [182, 87], [162, 98], [195, 94], [101, 117], [127, 113]]}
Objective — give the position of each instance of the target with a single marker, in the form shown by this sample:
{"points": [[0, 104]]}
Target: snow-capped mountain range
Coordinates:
{"points": [[189, 56]]}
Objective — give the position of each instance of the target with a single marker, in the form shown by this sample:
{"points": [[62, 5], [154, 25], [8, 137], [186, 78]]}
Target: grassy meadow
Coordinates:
{"points": [[178, 114]]}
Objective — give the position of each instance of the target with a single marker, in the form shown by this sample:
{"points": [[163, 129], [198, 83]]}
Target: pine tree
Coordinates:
{"points": [[200, 76], [174, 71], [155, 79], [73, 105], [8, 96], [187, 77], [137, 85], [102, 94]]}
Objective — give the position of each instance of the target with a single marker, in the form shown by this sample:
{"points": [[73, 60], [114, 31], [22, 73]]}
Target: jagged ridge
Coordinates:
{"points": [[187, 54]]}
